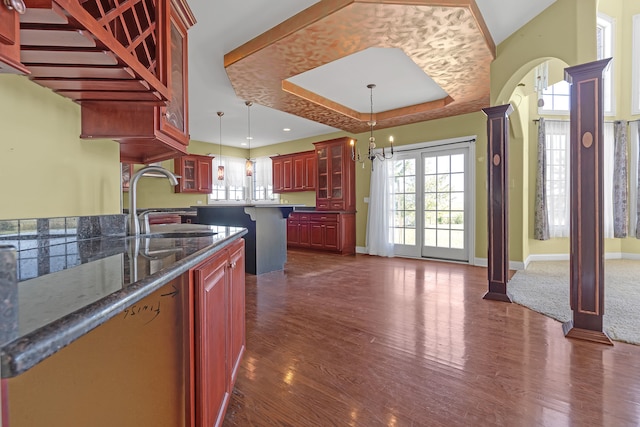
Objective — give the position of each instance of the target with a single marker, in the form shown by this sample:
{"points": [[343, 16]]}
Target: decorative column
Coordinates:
{"points": [[587, 237], [498, 202]]}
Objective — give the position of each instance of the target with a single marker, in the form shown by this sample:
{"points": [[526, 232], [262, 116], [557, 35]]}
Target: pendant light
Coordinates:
{"points": [[220, 167], [249, 164]]}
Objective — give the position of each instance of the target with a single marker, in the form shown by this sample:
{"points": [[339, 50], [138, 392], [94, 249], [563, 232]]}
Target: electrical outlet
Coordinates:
{"points": [[366, 200]]}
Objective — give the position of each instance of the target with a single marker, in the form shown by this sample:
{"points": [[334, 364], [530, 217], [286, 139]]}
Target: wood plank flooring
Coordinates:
{"points": [[369, 341]]}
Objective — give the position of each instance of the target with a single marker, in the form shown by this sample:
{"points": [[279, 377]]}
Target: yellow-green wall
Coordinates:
{"points": [[46, 170], [158, 193]]}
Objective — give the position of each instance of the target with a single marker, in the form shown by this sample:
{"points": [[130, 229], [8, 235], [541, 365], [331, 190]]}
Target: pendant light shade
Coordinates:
{"points": [[220, 167], [249, 164]]}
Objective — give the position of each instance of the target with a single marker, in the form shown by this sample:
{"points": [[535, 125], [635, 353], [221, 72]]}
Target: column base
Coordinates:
{"points": [[497, 296], [571, 331]]}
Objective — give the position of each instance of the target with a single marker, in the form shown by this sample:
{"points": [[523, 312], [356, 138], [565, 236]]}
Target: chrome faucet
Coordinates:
{"points": [[134, 224]]}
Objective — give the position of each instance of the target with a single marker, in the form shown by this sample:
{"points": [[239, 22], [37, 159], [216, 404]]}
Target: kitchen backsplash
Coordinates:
{"points": [[46, 245]]}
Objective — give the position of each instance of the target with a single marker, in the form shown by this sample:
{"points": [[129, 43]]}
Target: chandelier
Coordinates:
{"points": [[372, 152], [220, 166]]}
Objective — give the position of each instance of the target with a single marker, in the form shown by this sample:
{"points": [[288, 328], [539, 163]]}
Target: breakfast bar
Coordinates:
{"points": [[266, 224]]}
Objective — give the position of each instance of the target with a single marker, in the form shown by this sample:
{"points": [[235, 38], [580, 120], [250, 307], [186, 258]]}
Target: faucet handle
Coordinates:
{"points": [[143, 220]]}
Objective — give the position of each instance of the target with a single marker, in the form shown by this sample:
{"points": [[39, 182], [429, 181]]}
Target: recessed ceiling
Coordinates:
{"points": [[400, 85], [225, 25]]}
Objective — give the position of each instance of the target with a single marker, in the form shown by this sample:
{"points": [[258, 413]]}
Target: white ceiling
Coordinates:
{"points": [[223, 25]]}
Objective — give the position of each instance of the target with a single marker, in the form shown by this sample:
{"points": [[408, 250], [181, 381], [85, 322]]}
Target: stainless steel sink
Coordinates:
{"points": [[179, 235], [179, 231]]}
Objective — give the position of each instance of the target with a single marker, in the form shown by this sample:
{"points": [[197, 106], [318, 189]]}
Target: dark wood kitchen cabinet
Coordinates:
{"points": [[326, 231], [10, 41], [219, 331], [335, 188], [125, 63], [195, 174], [294, 172]]}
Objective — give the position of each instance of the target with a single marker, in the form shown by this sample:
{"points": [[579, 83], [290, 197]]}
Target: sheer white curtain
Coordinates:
{"points": [[607, 179], [379, 238], [557, 179], [233, 170], [264, 172]]}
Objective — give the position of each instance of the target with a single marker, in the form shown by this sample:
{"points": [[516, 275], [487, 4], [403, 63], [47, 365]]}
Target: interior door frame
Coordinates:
{"points": [[465, 142]]}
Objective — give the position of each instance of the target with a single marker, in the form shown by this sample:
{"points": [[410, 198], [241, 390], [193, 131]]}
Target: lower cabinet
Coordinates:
{"points": [[326, 231], [219, 339]]}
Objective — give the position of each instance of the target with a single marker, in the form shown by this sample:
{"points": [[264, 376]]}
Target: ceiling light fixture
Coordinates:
{"points": [[372, 153], [220, 167], [249, 164]]}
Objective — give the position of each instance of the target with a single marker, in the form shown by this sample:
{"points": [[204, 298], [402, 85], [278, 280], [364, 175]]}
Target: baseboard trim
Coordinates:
{"points": [[513, 265], [361, 250], [565, 257]]}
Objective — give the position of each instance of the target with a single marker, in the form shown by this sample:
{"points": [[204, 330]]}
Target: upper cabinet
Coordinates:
{"points": [[294, 172], [102, 52], [10, 37], [195, 174], [335, 189]]}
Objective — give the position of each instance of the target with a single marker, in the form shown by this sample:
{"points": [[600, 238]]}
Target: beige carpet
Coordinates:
{"points": [[544, 287]]}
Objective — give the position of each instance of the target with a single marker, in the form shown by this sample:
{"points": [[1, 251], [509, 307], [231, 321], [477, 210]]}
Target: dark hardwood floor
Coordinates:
{"points": [[370, 341]]}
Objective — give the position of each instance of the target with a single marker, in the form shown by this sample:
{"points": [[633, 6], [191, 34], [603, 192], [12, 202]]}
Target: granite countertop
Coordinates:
{"points": [[94, 280], [247, 205]]}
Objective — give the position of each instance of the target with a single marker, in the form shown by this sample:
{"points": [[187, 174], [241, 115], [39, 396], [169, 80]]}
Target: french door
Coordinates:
{"points": [[433, 203]]}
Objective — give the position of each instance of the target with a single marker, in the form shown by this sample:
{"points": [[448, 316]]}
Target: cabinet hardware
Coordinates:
{"points": [[232, 264], [17, 5]]}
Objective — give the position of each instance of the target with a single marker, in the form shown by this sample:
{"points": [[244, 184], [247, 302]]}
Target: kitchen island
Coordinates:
{"points": [[127, 332], [266, 224]]}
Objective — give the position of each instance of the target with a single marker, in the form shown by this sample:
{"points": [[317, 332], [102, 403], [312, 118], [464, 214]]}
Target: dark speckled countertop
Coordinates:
{"points": [[92, 281]]}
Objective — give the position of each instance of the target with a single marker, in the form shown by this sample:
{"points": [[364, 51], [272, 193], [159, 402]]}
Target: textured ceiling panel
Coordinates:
{"points": [[450, 43]]}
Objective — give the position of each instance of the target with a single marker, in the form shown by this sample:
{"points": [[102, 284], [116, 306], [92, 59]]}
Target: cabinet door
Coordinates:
{"points": [[299, 176], [331, 236], [335, 172], [10, 42], [293, 237], [316, 235], [304, 234], [187, 170], [174, 116], [276, 169], [310, 172], [212, 378], [236, 308], [287, 174], [204, 175], [322, 186]]}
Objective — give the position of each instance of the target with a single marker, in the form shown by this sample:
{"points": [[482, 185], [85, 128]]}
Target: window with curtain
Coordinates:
{"points": [[558, 183], [263, 180], [235, 185]]}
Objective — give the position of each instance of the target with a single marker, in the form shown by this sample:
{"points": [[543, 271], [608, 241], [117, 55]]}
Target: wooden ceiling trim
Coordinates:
{"points": [[310, 96]]}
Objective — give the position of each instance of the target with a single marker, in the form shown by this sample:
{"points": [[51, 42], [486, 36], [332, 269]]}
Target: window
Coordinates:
{"points": [[557, 97], [263, 180], [635, 68], [558, 179], [604, 49], [236, 184], [404, 203]]}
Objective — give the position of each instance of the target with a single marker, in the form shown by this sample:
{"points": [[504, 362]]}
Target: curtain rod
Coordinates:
{"points": [[400, 150], [566, 121]]}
